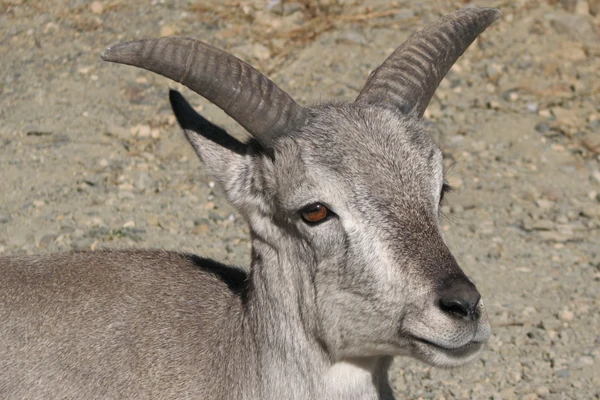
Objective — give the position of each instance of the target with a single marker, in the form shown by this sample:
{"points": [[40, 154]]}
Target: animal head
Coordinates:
{"points": [[349, 193]]}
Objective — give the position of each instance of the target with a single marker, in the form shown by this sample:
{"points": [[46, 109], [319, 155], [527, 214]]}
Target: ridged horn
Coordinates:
{"points": [[410, 76], [248, 96]]}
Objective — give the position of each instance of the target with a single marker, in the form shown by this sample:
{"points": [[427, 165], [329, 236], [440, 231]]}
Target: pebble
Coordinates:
{"points": [[404, 14], [96, 7], [544, 204], [152, 220], [566, 315], [562, 373], [561, 219], [508, 394], [351, 36], [578, 27], [493, 72], [141, 131], [543, 225], [4, 219], [169, 30], [586, 361], [542, 391], [215, 216], [529, 396], [46, 240], [141, 181], [202, 228], [594, 7], [260, 51]]}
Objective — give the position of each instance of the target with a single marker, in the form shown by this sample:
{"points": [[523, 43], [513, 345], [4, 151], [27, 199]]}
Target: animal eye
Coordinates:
{"points": [[315, 213], [446, 188]]}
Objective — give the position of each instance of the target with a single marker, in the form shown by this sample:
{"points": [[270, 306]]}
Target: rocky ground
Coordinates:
{"points": [[90, 155]]}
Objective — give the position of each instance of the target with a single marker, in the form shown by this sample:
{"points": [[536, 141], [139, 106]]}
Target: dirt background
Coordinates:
{"points": [[90, 155]]}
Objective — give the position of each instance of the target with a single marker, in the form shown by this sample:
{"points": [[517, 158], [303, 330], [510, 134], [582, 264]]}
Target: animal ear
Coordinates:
{"points": [[407, 80], [224, 157]]}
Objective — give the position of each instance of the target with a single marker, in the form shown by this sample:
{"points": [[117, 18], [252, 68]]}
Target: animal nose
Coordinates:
{"points": [[460, 300]]}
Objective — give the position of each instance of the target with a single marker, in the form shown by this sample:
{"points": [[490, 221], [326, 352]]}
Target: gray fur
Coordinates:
{"points": [[322, 311]]}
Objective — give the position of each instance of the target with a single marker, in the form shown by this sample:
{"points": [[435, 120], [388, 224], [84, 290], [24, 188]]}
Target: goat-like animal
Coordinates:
{"points": [[349, 266]]}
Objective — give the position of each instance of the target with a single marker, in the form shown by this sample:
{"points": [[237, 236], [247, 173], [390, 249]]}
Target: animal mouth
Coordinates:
{"points": [[463, 351]]}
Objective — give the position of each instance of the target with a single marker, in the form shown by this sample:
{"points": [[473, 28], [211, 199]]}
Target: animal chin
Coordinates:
{"points": [[443, 356]]}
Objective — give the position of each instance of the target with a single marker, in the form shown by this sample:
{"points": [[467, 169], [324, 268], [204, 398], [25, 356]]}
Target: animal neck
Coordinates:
{"points": [[281, 298], [282, 323]]}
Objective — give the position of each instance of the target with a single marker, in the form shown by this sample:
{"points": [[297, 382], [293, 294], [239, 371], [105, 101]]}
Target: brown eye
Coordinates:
{"points": [[315, 213]]}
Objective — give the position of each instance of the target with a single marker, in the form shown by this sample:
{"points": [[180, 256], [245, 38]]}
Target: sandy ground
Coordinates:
{"points": [[91, 157]]}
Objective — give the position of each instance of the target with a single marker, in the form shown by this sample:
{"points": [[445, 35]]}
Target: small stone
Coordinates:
{"points": [[129, 224], [532, 107], [84, 70], [542, 127], [4, 219], [545, 113], [351, 36], [169, 30], [46, 240], [215, 216], [582, 8], [260, 52], [152, 220], [202, 228], [508, 394], [595, 176], [493, 104], [565, 315], [529, 396], [493, 72], [565, 116], [404, 14], [544, 204], [586, 360], [543, 225], [83, 244], [562, 373], [126, 186], [579, 28], [96, 7], [591, 212], [542, 391], [125, 194], [561, 219], [141, 131], [141, 181], [209, 206], [568, 5]]}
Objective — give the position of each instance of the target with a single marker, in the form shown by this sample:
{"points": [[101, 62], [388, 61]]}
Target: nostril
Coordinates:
{"points": [[456, 307], [463, 308]]}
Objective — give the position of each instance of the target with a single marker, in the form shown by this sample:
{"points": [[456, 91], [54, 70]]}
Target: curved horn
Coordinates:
{"points": [[248, 96], [410, 76]]}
